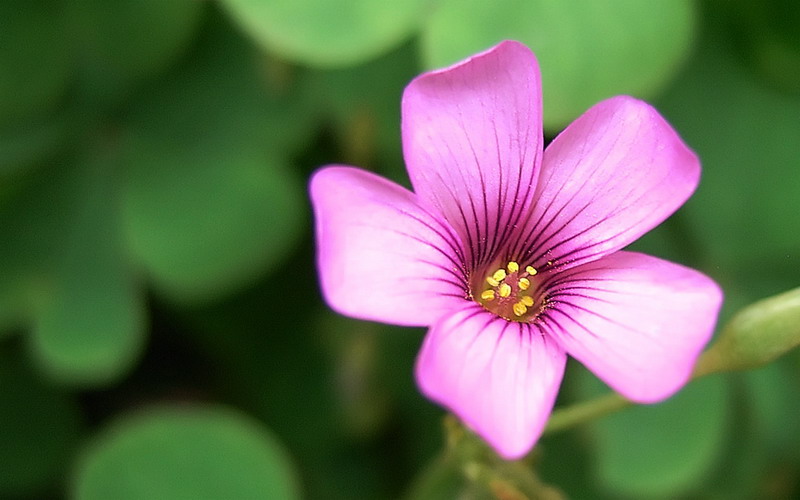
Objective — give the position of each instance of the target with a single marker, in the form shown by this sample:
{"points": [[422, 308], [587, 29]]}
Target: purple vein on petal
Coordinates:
{"points": [[513, 225], [532, 242], [618, 324], [444, 231], [474, 243], [449, 256], [556, 328], [456, 264], [425, 242], [588, 311], [480, 247], [571, 275], [519, 205], [475, 312], [536, 244], [459, 277], [453, 240], [567, 257], [501, 198], [470, 243], [529, 238], [563, 295]]}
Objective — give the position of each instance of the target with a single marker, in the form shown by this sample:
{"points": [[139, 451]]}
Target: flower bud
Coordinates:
{"points": [[756, 335]]}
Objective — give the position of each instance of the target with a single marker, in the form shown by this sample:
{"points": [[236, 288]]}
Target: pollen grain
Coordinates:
{"points": [[510, 292], [499, 275]]}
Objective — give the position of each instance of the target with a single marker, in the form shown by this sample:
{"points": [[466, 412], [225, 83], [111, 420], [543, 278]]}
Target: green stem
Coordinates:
{"points": [[566, 418], [468, 468], [571, 416]]}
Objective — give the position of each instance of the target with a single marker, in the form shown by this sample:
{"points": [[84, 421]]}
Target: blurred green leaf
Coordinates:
{"points": [[185, 453], [663, 450], [765, 34], [293, 392], [34, 58], [296, 367], [744, 214], [328, 33], [39, 426], [760, 456], [739, 473], [120, 44], [324, 390], [773, 391], [30, 223], [364, 103], [66, 275], [29, 142], [203, 225], [567, 462], [209, 201], [588, 50], [91, 328]]}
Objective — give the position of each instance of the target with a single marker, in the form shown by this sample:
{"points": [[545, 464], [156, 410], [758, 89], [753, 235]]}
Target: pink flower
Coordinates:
{"points": [[511, 254]]}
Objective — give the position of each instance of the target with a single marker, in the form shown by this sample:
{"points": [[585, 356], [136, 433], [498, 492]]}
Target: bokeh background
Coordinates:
{"points": [[161, 330]]}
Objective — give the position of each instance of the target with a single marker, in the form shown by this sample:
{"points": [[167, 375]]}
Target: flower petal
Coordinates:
{"points": [[380, 256], [611, 176], [499, 377], [636, 321], [472, 141]]}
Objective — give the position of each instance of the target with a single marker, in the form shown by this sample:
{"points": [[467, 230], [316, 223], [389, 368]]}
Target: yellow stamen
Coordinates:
{"points": [[492, 281], [524, 283], [513, 267], [531, 270], [519, 308], [505, 290], [527, 300], [487, 295], [499, 275]]}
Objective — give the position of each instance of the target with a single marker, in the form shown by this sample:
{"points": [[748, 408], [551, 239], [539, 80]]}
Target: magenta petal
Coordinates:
{"points": [[380, 256], [472, 140], [499, 377], [636, 321], [611, 176]]}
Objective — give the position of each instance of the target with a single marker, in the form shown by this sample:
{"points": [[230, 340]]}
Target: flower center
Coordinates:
{"points": [[509, 292]]}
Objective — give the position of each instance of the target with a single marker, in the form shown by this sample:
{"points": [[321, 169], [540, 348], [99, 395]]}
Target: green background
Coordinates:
{"points": [[162, 334]]}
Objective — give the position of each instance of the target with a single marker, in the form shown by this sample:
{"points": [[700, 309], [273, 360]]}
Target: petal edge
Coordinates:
{"points": [[500, 378], [612, 175], [472, 142], [637, 322], [380, 256]]}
